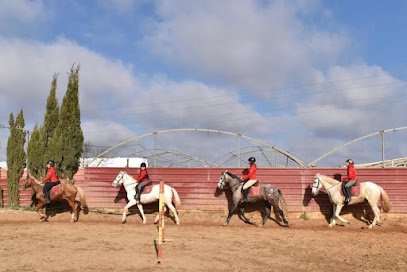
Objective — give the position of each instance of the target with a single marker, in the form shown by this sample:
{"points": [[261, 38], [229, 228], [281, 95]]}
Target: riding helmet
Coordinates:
{"points": [[252, 160], [350, 161], [51, 163], [143, 164]]}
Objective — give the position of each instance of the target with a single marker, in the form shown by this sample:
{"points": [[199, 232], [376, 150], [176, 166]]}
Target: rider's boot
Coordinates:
{"points": [[47, 199], [348, 195], [245, 193], [137, 195]]}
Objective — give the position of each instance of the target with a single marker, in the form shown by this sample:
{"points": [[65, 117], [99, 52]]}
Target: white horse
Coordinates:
{"points": [[368, 190], [130, 183]]}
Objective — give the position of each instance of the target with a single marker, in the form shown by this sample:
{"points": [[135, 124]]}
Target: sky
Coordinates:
{"points": [[306, 76]]}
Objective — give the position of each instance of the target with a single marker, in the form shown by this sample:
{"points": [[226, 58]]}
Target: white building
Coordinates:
{"points": [[113, 162]]}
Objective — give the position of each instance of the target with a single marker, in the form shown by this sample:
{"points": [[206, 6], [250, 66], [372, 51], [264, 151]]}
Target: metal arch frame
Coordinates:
{"points": [[278, 149], [381, 132], [179, 153]]}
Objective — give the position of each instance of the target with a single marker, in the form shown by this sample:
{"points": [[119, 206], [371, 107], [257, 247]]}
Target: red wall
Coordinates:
{"points": [[196, 186]]}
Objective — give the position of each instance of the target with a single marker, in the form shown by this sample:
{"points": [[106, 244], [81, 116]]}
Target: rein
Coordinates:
{"points": [[232, 187], [122, 177], [327, 189]]}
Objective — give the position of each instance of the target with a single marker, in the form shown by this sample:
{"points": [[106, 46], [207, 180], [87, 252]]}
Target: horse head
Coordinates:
{"points": [[316, 186], [27, 183], [119, 179], [223, 180], [30, 181]]}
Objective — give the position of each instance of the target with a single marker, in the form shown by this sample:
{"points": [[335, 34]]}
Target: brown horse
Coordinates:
{"points": [[64, 191]]}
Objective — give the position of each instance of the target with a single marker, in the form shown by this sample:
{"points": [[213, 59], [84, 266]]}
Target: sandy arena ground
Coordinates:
{"points": [[99, 242]]}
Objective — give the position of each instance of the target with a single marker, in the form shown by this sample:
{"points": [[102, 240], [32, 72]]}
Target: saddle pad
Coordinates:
{"points": [[55, 191], [147, 189], [355, 190], [254, 191]]}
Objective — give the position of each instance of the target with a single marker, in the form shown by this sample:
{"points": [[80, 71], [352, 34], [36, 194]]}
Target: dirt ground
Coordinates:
{"points": [[99, 242]]}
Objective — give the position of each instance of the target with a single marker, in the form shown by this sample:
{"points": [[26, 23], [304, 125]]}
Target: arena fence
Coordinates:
{"points": [[197, 186]]}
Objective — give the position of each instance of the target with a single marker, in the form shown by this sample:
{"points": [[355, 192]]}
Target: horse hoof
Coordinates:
{"points": [[225, 224], [370, 227], [178, 223], [123, 221]]}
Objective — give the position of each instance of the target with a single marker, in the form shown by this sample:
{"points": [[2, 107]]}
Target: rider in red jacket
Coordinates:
{"points": [[51, 180], [250, 178], [142, 181], [350, 179]]}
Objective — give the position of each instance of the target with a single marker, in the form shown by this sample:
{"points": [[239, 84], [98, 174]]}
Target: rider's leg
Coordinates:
{"points": [[348, 191], [46, 190], [140, 188], [246, 188], [137, 195]]}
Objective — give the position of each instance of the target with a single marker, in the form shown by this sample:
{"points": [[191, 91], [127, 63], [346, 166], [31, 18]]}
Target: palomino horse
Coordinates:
{"points": [[368, 190], [269, 196], [63, 191], [130, 183]]}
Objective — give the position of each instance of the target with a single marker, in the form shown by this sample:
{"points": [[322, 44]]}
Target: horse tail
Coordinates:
{"points": [[83, 200], [283, 203], [385, 200], [177, 200]]}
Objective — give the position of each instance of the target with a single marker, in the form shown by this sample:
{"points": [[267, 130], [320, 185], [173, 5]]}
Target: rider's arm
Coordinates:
{"points": [[51, 171]]}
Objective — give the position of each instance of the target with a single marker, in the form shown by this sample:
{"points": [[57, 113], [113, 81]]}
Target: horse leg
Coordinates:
{"points": [[282, 216], [174, 211], [333, 221], [74, 213], [338, 210], [39, 209], [243, 216], [376, 211], [126, 210], [230, 214], [267, 211], [140, 208]]}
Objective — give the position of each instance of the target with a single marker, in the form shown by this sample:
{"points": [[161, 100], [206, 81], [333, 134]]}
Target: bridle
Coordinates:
{"points": [[316, 186], [119, 177], [232, 187]]}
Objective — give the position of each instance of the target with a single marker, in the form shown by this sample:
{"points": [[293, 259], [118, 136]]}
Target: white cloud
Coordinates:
{"points": [[21, 10], [254, 45]]}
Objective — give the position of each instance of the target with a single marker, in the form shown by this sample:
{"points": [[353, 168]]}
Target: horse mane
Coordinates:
{"points": [[232, 175], [327, 177]]}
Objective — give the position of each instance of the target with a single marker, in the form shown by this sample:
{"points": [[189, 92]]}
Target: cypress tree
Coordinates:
{"points": [[38, 151], [16, 156], [35, 156], [52, 113], [67, 140]]}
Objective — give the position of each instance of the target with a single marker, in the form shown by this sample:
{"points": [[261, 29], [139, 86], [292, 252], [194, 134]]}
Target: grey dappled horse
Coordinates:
{"points": [[269, 196]]}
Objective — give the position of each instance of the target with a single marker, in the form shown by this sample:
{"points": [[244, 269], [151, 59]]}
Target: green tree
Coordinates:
{"points": [[35, 153], [66, 144], [52, 113], [38, 151], [16, 156]]}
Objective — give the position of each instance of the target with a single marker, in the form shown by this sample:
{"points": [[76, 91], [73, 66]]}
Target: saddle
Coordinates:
{"points": [[355, 189], [254, 190], [55, 191]]}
